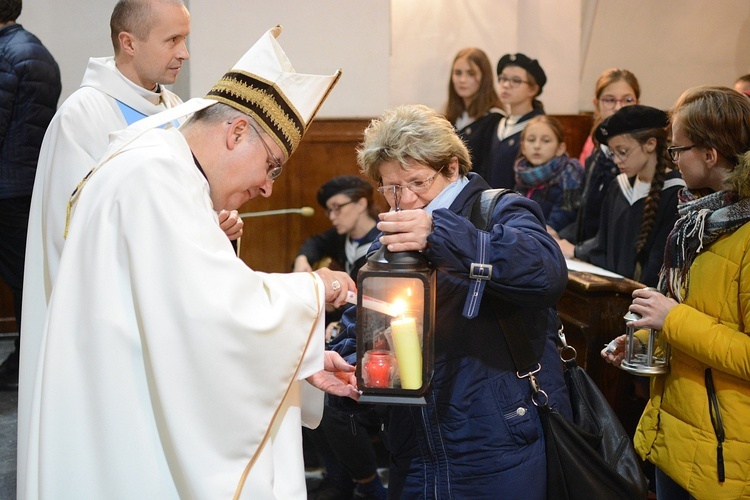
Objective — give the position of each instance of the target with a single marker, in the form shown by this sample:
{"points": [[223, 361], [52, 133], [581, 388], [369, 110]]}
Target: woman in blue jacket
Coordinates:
{"points": [[479, 435]]}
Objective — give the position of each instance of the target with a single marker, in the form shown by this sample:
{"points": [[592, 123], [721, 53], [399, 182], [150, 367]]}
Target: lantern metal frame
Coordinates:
{"points": [[644, 363], [384, 264]]}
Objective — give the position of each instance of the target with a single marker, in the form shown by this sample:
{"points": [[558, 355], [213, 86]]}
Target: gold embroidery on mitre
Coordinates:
{"points": [[239, 94]]}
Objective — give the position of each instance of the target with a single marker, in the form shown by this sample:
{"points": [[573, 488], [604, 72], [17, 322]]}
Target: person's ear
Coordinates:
{"points": [[650, 145], [711, 157], [453, 168], [560, 149], [126, 43], [236, 132]]}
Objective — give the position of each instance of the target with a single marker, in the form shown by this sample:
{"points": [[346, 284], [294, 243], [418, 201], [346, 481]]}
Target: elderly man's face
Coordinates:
{"points": [[159, 58], [246, 175]]}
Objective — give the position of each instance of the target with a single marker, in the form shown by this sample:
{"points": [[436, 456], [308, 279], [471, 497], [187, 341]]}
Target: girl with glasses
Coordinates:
{"points": [[473, 105], [520, 80], [640, 206], [615, 88], [695, 427], [348, 204]]}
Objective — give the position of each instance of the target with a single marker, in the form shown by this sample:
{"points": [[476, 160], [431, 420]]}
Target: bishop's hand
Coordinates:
{"points": [[337, 377]]}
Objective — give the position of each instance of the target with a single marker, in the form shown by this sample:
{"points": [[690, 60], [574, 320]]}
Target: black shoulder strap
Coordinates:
{"points": [[484, 206], [509, 318]]}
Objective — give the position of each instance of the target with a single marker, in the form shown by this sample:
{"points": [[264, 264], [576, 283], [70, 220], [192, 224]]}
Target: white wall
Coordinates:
{"points": [[670, 45], [399, 51], [73, 31], [319, 37]]}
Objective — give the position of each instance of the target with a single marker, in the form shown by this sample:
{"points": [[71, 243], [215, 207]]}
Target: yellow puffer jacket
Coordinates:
{"points": [[710, 329]]}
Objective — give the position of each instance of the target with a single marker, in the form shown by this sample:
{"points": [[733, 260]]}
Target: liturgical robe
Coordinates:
{"points": [[75, 140], [167, 368]]}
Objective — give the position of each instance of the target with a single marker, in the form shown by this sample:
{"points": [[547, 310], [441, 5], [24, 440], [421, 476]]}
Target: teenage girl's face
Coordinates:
{"points": [[691, 163], [613, 97], [466, 78], [631, 157], [525, 92], [540, 144], [344, 212]]}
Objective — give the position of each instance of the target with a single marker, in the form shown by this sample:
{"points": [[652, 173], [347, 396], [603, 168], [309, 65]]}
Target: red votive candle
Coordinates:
{"points": [[377, 368]]}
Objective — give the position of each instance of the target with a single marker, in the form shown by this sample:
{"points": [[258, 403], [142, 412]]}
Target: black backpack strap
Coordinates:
{"points": [[480, 270], [509, 317], [484, 206]]}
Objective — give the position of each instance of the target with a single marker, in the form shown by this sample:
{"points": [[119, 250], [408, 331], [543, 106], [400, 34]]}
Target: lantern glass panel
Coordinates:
{"points": [[393, 323]]}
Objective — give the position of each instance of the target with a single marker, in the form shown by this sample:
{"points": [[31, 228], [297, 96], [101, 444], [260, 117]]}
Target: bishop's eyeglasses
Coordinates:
{"points": [[274, 164]]}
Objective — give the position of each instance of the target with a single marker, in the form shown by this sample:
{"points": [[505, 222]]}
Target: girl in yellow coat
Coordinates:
{"points": [[696, 427]]}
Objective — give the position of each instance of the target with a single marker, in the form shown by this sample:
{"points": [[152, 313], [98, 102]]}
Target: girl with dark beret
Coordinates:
{"points": [[521, 81], [640, 207]]}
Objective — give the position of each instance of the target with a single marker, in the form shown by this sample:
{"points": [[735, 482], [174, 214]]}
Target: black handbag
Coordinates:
{"points": [[591, 457]]}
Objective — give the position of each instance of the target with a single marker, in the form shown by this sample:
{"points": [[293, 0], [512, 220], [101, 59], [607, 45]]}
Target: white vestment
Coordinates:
{"points": [[75, 140], [167, 368]]}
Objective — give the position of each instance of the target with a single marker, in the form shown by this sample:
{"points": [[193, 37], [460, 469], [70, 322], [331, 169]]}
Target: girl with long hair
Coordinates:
{"points": [[640, 206], [473, 105]]}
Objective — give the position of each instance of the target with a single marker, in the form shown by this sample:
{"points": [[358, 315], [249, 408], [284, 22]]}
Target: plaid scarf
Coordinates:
{"points": [[559, 170], [703, 219]]}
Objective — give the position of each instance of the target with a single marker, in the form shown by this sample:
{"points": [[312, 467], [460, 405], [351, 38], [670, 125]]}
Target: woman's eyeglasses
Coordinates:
{"points": [[513, 83], [611, 102], [674, 151], [335, 209], [392, 192]]}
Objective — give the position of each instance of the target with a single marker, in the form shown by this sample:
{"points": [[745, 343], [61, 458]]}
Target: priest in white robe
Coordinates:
{"points": [[167, 367], [115, 92]]}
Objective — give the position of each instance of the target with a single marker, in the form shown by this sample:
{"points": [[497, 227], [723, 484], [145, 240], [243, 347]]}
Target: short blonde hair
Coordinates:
{"points": [[411, 134]]}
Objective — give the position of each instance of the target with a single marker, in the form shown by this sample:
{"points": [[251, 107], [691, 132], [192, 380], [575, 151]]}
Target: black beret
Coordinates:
{"points": [[631, 119], [523, 61], [346, 184]]}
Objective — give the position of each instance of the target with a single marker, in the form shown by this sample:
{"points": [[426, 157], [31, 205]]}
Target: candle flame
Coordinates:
{"points": [[398, 308]]}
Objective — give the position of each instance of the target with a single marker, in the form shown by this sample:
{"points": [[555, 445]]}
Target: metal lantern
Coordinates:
{"points": [[649, 359], [395, 328]]}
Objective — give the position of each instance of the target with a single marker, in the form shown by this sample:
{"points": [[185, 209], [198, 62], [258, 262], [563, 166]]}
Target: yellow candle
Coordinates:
{"points": [[408, 352]]}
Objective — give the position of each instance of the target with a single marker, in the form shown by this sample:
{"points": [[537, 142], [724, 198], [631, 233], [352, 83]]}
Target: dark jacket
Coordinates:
{"points": [[29, 90], [600, 170], [503, 154], [478, 138], [620, 226], [331, 244], [479, 435]]}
